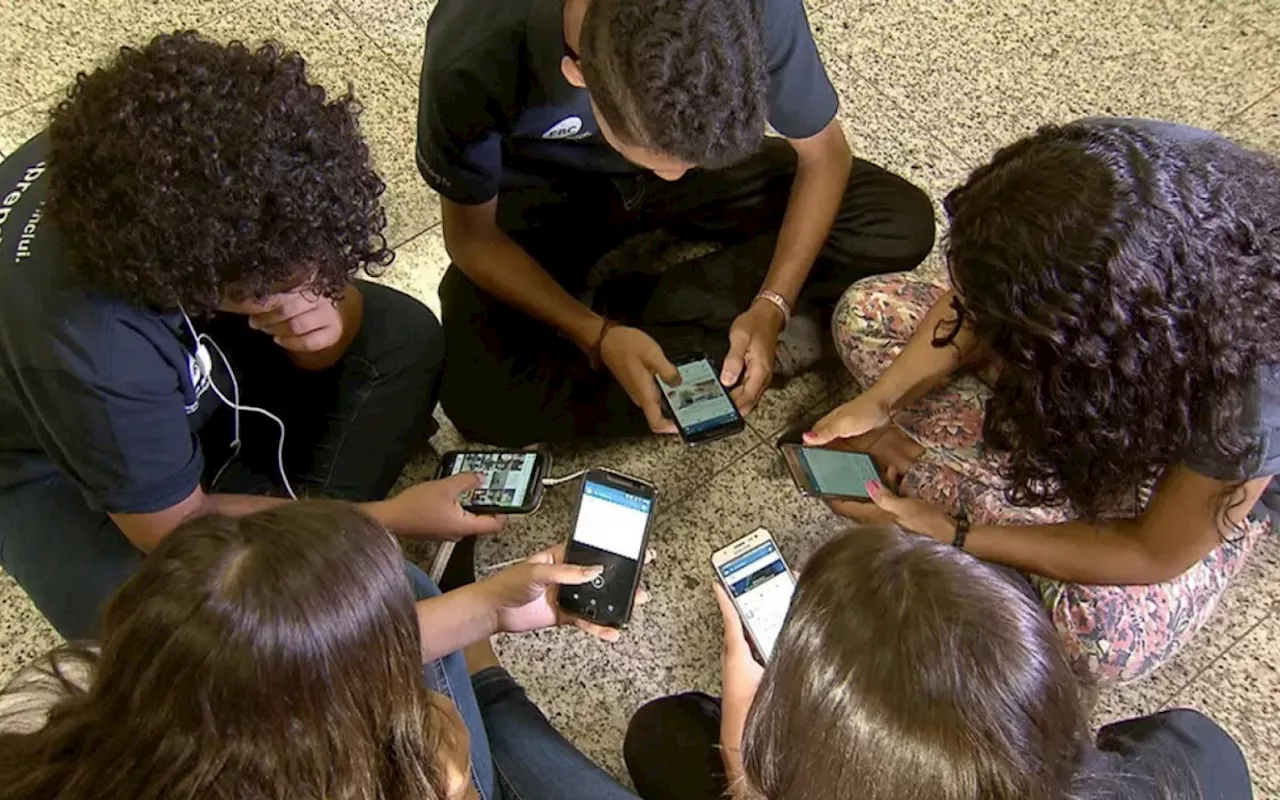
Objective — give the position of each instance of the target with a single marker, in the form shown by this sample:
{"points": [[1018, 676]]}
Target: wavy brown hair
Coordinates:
{"points": [[189, 171], [909, 669], [268, 657], [1127, 278]]}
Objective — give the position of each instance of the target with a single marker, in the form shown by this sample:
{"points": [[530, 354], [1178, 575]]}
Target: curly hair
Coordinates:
{"points": [[1128, 280], [189, 171], [685, 78]]}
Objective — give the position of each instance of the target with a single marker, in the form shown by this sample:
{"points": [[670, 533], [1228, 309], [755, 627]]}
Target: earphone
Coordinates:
{"points": [[203, 342]]}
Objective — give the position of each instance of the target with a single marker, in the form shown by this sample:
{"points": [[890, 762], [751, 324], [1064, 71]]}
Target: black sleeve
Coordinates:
{"points": [[1181, 751], [113, 418], [801, 98], [463, 107]]}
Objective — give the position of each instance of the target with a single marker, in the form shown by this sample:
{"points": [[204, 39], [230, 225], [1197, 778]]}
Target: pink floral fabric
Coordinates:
{"points": [[1113, 634]]}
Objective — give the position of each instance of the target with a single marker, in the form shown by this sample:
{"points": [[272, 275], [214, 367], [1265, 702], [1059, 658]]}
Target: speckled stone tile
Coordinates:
{"points": [[420, 264], [43, 44], [412, 207], [398, 26], [1241, 691], [1259, 125], [24, 632], [18, 126], [339, 55], [673, 643], [979, 74], [780, 408]]}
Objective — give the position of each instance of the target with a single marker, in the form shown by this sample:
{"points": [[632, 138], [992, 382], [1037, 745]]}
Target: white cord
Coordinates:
{"points": [[557, 481]]}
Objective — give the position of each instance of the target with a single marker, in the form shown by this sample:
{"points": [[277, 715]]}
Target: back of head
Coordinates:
{"points": [[685, 78], [908, 669], [188, 171], [272, 656]]}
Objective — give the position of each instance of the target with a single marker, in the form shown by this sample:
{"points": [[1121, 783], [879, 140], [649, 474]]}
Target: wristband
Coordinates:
{"points": [[593, 355], [779, 301], [962, 529]]}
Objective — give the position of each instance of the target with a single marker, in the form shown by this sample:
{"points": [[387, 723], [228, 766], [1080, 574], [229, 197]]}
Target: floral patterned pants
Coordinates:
{"points": [[1113, 634]]}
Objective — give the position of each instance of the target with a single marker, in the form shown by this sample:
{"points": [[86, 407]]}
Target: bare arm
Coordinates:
{"points": [[921, 366], [456, 620], [146, 530], [1178, 528], [495, 263]]}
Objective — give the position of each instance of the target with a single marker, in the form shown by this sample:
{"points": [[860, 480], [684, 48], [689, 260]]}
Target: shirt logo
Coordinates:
{"points": [[567, 128], [199, 368]]}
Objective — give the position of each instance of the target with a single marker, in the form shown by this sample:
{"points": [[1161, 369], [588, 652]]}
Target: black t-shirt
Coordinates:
{"points": [[494, 104], [1178, 753], [106, 393]]}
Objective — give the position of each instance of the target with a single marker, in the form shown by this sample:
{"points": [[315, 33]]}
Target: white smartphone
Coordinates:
{"points": [[756, 577]]}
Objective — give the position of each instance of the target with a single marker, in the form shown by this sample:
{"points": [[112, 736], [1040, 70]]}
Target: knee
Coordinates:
{"points": [[644, 742], [918, 226], [400, 332]]}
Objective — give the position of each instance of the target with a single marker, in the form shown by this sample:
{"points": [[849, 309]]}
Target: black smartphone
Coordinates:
{"points": [[610, 528], [822, 472], [700, 406], [512, 479]]}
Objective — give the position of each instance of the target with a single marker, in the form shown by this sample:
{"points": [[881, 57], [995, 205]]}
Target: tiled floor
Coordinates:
{"points": [[928, 88]]}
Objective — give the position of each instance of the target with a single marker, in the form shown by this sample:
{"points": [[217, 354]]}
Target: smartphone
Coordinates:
{"points": [[837, 474], [700, 406], [756, 577], [610, 528], [512, 479]]}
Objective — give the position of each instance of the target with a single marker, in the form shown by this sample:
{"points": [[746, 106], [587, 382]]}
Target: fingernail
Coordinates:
{"points": [[593, 571], [873, 488], [808, 436]]}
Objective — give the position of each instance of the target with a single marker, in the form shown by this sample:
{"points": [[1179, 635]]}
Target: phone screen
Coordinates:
{"points": [[507, 477], [699, 403], [837, 472], [761, 588], [610, 531]]}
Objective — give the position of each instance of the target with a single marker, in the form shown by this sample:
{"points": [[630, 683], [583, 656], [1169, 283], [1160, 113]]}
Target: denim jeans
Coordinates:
{"points": [[350, 430], [515, 752]]}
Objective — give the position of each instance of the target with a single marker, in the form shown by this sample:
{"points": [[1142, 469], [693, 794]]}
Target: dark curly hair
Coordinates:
{"points": [[190, 171], [1128, 280], [685, 78]]}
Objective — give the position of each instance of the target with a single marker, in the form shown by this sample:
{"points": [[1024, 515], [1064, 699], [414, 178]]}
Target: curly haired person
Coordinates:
{"points": [[554, 130], [1112, 292], [186, 235]]}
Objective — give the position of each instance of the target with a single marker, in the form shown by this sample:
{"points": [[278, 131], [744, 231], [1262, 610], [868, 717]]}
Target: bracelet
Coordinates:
{"points": [[593, 355], [962, 529], [779, 301]]}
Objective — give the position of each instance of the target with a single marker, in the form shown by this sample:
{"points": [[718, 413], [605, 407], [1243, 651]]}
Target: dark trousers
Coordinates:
{"points": [[350, 430], [672, 752], [511, 380]]}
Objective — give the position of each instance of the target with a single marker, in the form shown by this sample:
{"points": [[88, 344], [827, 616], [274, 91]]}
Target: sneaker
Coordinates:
{"points": [[800, 347]]}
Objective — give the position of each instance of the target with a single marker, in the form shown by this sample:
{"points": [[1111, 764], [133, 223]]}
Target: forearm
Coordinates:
{"points": [[455, 620], [500, 266], [351, 306], [816, 194], [1106, 553], [921, 366]]}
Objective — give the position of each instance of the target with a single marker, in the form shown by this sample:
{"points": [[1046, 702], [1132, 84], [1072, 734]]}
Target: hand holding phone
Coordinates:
{"points": [[700, 405], [511, 481], [830, 474], [758, 584], [610, 529]]}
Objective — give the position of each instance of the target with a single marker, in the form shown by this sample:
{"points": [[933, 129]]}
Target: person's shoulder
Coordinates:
{"points": [[471, 30]]}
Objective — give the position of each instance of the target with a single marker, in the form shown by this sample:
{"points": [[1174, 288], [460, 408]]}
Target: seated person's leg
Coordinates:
{"points": [[66, 556], [448, 676], [511, 380], [672, 749], [351, 428]]}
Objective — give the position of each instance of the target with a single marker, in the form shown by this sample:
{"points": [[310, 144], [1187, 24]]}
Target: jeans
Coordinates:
{"points": [[515, 752], [350, 430], [511, 380]]}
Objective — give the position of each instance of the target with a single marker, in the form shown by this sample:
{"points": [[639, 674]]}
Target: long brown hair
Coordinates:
{"points": [[268, 657], [908, 669]]}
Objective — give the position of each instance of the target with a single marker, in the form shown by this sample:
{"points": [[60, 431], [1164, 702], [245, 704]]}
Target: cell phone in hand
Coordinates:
{"points": [[610, 528], [700, 405], [755, 576], [512, 479], [828, 473]]}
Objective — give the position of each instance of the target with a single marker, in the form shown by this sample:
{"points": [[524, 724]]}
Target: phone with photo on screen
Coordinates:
{"points": [[826, 473], [756, 577], [512, 479], [700, 406], [610, 528]]}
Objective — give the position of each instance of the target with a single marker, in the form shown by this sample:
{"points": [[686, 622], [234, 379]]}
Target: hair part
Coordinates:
{"points": [[685, 78], [268, 657], [189, 171], [909, 669], [1125, 279]]}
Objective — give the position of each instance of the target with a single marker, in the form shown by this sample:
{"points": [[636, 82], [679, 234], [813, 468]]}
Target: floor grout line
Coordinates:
{"points": [[1174, 693], [395, 65], [1233, 116]]}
